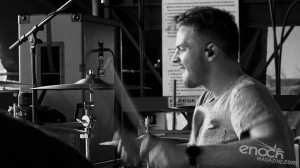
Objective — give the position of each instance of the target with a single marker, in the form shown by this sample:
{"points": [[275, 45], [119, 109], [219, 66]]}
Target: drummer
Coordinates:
{"points": [[236, 113]]}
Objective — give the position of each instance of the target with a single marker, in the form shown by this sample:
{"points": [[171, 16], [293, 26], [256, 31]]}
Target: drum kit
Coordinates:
{"points": [[81, 126]]}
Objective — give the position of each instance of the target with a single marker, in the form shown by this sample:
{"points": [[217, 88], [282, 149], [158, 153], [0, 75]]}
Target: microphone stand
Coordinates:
{"points": [[33, 41]]}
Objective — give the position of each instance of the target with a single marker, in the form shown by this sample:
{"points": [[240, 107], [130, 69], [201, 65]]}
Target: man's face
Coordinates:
{"points": [[189, 55]]}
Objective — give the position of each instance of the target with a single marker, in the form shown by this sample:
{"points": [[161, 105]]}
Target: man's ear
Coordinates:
{"points": [[211, 51]]}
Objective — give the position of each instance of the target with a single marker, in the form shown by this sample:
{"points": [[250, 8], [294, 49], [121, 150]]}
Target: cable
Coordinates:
{"points": [[283, 27], [55, 12], [278, 48], [126, 12], [277, 61], [280, 45], [112, 53]]}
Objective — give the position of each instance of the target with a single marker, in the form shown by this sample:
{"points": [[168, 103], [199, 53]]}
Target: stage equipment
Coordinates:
{"points": [[89, 83], [13, 84], [68, 50], [34, 41]]}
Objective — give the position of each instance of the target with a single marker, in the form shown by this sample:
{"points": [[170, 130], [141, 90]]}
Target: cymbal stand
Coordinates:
{"points": [[88, 122]]}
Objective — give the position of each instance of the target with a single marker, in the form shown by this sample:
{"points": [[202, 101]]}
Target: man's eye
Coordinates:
{"points": [[181, 50]]}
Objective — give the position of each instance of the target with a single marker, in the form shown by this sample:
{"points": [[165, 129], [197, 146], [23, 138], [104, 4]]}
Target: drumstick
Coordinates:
{"points": [[116, 142], [111, 143], [128, 107]]}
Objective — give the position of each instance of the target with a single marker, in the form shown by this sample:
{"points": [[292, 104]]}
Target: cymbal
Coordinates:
{"points": [[86, 87], [73, 87], [133, 87], [89, 82], [177, 139], [83, 84], [8, 91], [62, 130], [178, 109], [13, 84]]}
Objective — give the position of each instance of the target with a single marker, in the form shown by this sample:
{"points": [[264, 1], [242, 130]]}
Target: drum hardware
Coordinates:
{"points": [[19, 113], [21, 109], [64, 127], [77, 107], [182, 138], [62, 130], [87, 121], [149, 122], [8, 85], [14, 110], [14, 92], [89, 82], [13, 84], [79, 86]]}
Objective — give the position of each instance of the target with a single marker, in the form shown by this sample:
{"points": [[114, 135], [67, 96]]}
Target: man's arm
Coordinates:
{"points": [[250, 152], [197, 122], [245, 153], [197, 119]]}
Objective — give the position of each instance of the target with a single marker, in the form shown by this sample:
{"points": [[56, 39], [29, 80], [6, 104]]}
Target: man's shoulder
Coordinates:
{"points": [[248, 83]]}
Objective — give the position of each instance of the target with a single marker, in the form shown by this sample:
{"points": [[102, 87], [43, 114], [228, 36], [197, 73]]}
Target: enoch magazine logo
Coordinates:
{"points": [[266, 153]]}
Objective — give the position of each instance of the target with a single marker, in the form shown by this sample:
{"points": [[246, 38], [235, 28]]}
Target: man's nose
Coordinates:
{"points": [[175, 58]]}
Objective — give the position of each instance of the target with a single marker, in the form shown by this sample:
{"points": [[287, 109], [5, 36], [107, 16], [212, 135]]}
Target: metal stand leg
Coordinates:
{"points": [[88, 122], [87, 144]]}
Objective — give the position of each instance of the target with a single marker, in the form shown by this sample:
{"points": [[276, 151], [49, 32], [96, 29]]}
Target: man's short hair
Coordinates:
{"points": [[216, 23]]}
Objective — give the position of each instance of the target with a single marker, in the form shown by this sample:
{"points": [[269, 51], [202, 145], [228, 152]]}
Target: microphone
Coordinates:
{"points": [[100, 69]]}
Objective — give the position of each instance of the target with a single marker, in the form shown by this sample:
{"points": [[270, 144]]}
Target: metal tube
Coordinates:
{"points": [[174, 104], [142, 46], [95, 8]]}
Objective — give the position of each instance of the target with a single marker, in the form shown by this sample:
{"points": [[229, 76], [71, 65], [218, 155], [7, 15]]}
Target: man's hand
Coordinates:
{"points": [[128, 147], [162, 153]]}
